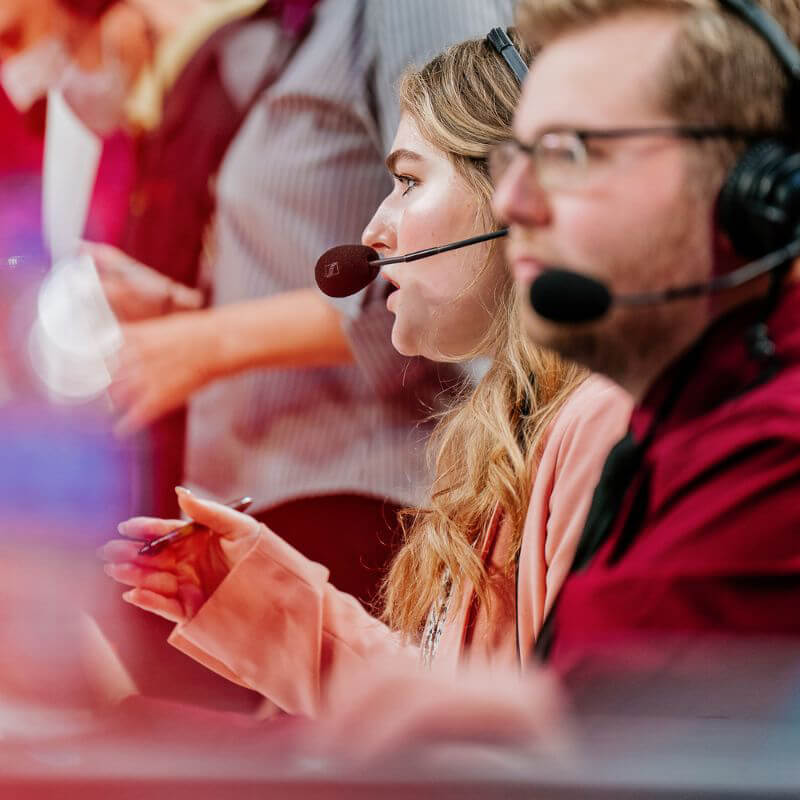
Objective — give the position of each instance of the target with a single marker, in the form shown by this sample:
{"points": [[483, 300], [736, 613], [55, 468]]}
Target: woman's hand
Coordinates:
{"points": [[177, 581], [135, 291], [161, 364]]}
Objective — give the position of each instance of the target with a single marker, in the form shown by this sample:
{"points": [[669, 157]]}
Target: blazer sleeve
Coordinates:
{"points": [[277, 626], [594, 418]]}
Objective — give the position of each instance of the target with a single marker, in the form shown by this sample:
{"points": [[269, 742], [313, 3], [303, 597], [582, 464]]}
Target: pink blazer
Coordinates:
{"points": [[276, 625]]}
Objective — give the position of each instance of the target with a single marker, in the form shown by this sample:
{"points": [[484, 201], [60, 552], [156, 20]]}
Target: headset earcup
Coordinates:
{"points": [[759, 204]]}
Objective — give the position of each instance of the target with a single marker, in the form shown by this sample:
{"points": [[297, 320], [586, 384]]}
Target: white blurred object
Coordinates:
{"points": [[76, 337], [71, 158]]}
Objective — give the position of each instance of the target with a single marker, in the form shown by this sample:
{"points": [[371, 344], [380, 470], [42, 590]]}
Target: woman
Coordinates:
{"points": [[516, 462]]}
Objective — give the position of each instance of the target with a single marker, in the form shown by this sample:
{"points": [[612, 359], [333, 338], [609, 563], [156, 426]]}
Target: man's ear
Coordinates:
{"points": [[723, 253]]}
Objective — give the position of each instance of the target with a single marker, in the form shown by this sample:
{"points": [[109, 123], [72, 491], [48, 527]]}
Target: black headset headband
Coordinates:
{"points": [[770, 31], [498, 39], [760, 20]]}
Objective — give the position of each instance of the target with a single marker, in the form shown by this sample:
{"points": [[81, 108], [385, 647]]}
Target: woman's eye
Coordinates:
{"points": [[407, 182]]}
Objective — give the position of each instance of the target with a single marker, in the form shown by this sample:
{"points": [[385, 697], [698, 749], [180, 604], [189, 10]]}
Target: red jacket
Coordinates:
{"points": [[717, 548]]}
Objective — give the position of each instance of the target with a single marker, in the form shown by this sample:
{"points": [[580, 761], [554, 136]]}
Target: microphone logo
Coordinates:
{"points": [[332, 270]]}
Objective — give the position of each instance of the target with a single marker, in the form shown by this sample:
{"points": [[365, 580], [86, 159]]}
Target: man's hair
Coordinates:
{"points": [[719, 72]]}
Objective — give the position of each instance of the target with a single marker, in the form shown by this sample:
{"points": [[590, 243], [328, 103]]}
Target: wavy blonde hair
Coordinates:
{"points": [[486, 448]]}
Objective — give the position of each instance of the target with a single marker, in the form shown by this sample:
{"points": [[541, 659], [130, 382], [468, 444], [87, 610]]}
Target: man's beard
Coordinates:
{"points": [[635, 345]]}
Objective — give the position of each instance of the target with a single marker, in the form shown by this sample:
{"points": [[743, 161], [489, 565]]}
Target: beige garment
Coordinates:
{"points": [[277, 626]]}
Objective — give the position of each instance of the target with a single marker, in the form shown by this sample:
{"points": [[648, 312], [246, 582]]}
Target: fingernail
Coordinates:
{"points": [[182, 490]]}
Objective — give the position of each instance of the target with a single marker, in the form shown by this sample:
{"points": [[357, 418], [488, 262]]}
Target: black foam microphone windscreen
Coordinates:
{"points": [[569, 297]]}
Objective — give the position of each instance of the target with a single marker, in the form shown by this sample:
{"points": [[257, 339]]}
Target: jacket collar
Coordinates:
{"points": [[719, 367]]}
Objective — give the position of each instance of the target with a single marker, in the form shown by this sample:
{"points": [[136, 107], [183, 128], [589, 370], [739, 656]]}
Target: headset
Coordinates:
{"points": [[758, 207], [500, 41], [759, 203]]}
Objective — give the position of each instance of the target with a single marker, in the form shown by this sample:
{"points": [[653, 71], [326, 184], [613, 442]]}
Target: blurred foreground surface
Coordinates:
{"points": [[162, 752], [692, 730]]}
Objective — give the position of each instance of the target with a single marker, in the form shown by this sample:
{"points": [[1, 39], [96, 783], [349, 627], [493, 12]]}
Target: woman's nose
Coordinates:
{"points": [[380, 233]]}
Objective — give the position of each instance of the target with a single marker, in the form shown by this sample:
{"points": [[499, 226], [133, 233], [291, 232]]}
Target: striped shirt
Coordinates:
{"points": [[304, 173]]}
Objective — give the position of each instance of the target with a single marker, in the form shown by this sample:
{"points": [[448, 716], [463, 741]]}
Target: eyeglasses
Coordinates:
{"points": [[562, 159]]}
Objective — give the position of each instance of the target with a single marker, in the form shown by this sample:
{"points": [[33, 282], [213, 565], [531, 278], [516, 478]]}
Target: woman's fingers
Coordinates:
{"points": [[160, 592], [219, 518], [120, 551], [147, 528], [186, 298], [191, 597], [177, 581], [163, 583], [144, 406], [126, 385], [182, 608], [166, 607]]}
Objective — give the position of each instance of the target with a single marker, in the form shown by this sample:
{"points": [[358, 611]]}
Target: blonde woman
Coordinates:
{"points": [[516, 461]]}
